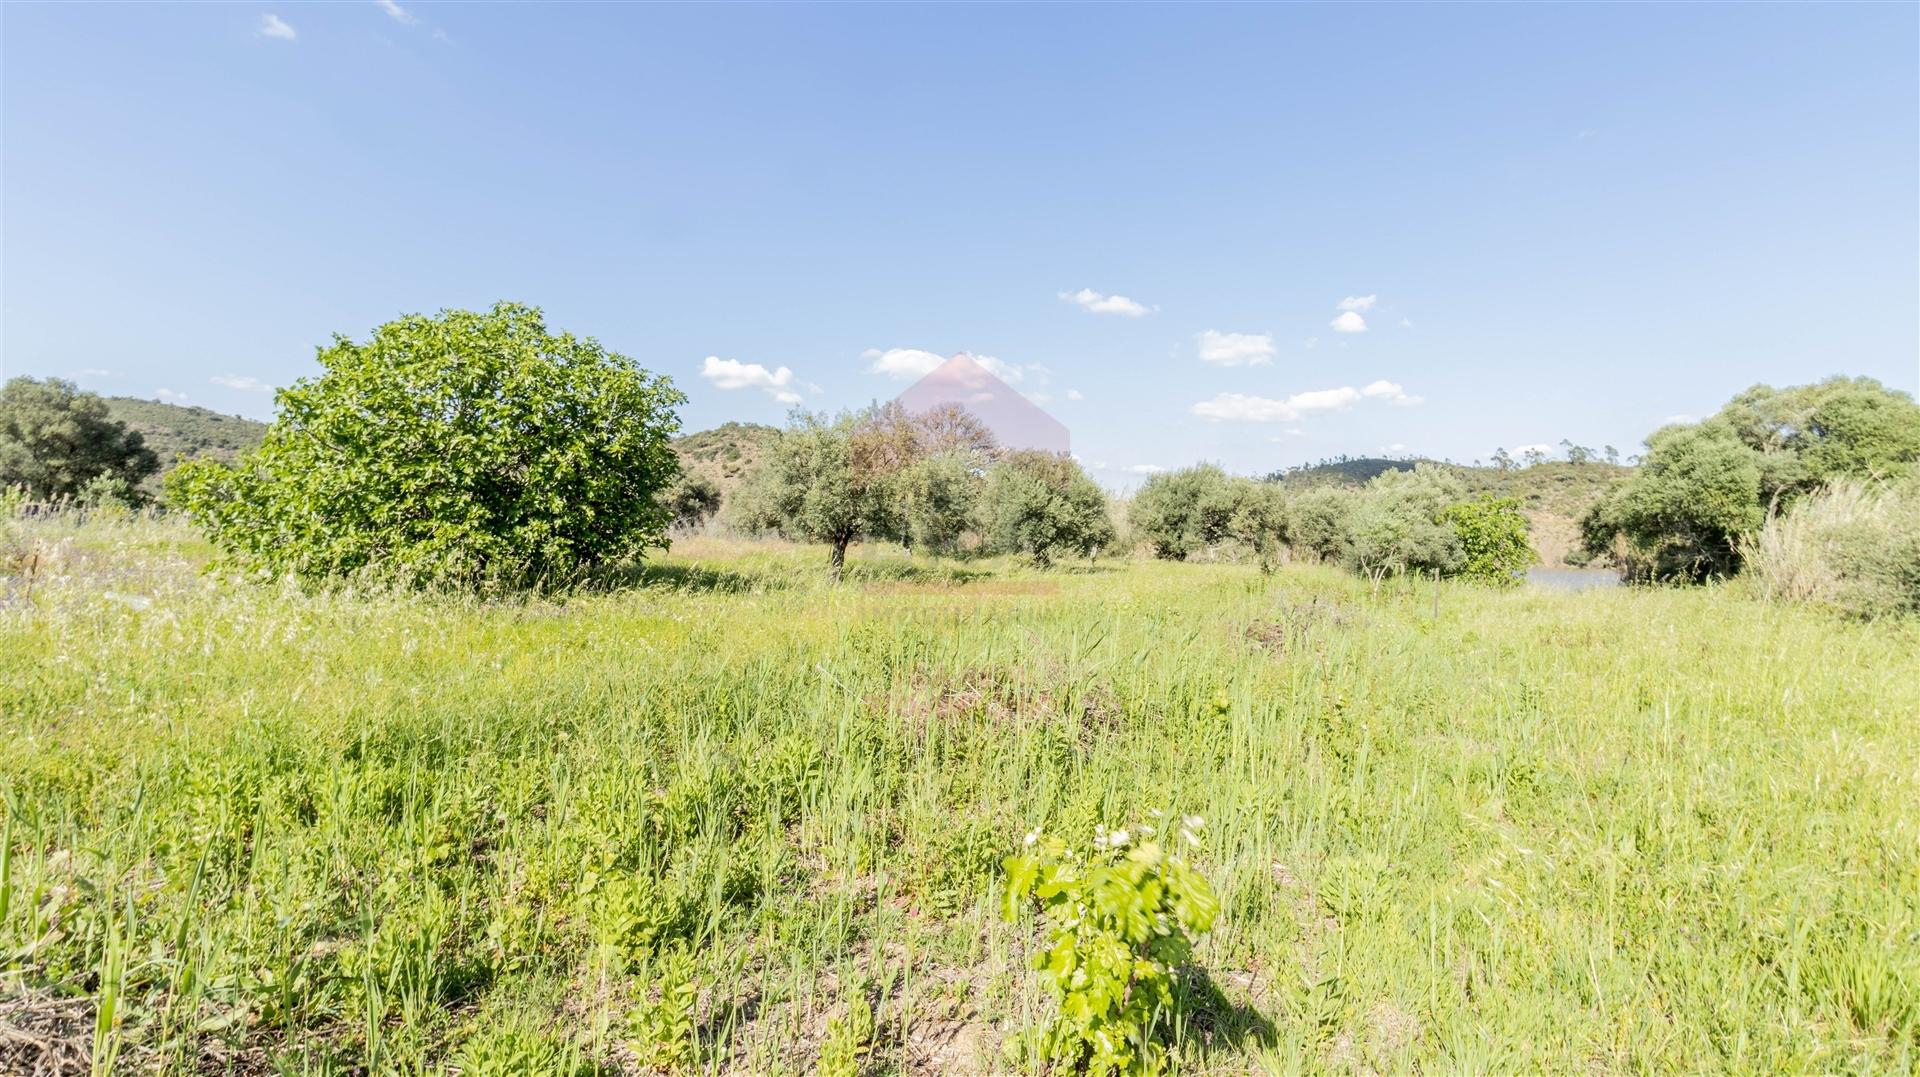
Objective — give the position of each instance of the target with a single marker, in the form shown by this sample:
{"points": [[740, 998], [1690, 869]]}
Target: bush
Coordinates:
{"points": [[1704, 490], [1851, 546], [1042, 505], [692, 500], [1120, 921], [465, 449], [1396, 525], [1180, 512], [1493, 539], [939, 496], [1319, 523], [56, 441]]}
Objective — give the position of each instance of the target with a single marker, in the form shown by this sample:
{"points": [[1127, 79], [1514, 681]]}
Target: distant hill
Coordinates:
{"points": [[175, 432], [726, 453], [1553, 495]]}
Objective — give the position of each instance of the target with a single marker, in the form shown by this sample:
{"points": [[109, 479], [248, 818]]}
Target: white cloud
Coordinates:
{"points": [[1406, 323], [1684, 419], [1350, 322], [275, 26], [1074, 394], [1543, 450], [902, 363], [245, 384], [1391, 392], [1236, 349], [1289, 433], [169, 395], [400, 15], [1358, 303], [1093, 301], [1144, 469], [1240, 407], [1395, 447], [734, 374], [96, 372], [1310, 343]]}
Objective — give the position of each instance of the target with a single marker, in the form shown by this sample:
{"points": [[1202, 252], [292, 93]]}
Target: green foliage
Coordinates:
{"points": [[1682, 515], [940, 495], [516, 1046], [178, 432], [1259, 520], [663, 1027], [1180, 512], [56, 441], [1120, 921], [1320, 523], [832, 480], [1704, 490], [1397, 524], [692, 500], [465, 449], [1041, 505], [848, 1040], [1851, 546], [1493, 539]]}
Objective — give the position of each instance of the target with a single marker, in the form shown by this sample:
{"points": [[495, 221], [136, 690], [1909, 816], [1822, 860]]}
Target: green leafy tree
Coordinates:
{"points": [[1396, 525], [57, 441], [463, 449], [1180, 512], [1682, 515], [1259, 520], [940, 495], [1042, 505], [1320, 523], [833, 480], [692, 500], [1704, 490], [1493, 539]]}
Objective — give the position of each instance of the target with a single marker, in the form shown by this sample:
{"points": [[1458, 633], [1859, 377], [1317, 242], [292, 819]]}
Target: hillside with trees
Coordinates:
{"points": [[175, 431]]}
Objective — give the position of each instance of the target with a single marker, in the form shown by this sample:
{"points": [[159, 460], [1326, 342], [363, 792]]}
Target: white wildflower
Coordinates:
{"points": [[1117, 838], [1032, 836]]}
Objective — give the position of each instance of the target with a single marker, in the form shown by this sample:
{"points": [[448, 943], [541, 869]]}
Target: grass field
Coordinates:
{"points": [[710, 820]]}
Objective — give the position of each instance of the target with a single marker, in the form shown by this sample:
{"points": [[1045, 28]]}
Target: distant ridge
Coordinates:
{"points": [[177, 432]]}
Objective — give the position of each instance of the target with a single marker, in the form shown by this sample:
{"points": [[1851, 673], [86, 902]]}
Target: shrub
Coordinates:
{"points": [[465, 449], [1396, 526], [1180, 512], [1042, 505], [939, 495], [56, 441], [692, 500], [1120, 921], [1493, 539], [1850, 546], [1319, 523]]}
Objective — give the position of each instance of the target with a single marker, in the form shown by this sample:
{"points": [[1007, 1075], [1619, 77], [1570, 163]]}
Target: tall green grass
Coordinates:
{"points": [[709, 820]]}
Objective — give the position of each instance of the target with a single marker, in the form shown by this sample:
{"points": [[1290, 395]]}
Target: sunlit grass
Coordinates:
{"points": [[1618, 829]]}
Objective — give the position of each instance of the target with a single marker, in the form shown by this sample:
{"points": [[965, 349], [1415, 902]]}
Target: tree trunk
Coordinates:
{"points": [[836, 559]]}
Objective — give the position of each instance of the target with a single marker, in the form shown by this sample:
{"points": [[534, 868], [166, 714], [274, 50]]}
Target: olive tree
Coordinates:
{"points": [[832, 479], [1180, 512], [1042, 505], [463, 449], [56, 441], [1396, 526]]}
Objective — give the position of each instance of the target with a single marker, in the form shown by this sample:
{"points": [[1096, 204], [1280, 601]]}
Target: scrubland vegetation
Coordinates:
{"points": [[398, 745], [736, 818]]}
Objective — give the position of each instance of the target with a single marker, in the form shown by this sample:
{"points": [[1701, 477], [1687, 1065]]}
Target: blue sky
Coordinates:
{"points": [[1552, 221]]}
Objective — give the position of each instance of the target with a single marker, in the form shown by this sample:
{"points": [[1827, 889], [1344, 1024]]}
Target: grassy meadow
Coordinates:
{"points": [[731, 819]]}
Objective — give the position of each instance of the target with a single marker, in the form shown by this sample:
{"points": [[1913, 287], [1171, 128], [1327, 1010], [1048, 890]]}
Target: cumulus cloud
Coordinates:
{"points": [[1240, 407], [1391, 392], [1236, 349], [1144, 469], [400, 15], [95, 372], [1074, 394], [779, 383], [902, 363], [1349, 322], [1524, 450], [905, 364], [244, 383], [276, 27], [1089, 300], [169, 395], [1358, 303]]}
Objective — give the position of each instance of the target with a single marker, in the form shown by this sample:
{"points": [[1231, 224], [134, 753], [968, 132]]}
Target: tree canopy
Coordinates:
{"points": [[463, 449], [57, 441]]}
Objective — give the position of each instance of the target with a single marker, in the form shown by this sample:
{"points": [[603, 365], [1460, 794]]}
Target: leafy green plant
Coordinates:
{"points": [[1493, 539], [663, 1027], [465, 449], [1120, 920], [849, 1037], [1041, 505]]}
